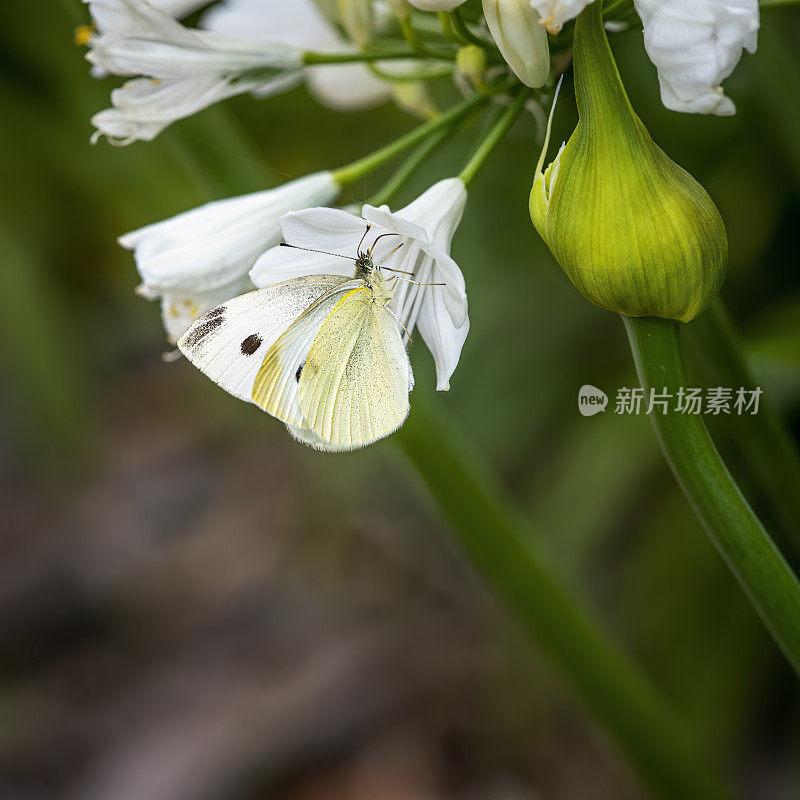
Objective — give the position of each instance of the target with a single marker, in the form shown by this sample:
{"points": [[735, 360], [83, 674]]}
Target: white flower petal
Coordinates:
{"points": [[191, 69], [215, 245], [444, 339], [347, 87], [143, 107], [438, 210], [284, 263], [342, 87], [329, 229], [556, 13], [695, 45]]}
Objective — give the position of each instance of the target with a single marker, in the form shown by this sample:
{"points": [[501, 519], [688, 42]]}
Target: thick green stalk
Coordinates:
{"points": [[771, 456], [490, 531], [727, 517]]}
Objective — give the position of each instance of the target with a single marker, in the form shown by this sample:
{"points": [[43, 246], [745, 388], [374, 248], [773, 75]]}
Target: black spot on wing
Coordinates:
{"points": [[251, 344], [299, 373], [209, 322]]}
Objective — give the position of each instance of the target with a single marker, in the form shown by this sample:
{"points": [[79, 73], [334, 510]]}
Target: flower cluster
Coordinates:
{"points": [[353, 54]]}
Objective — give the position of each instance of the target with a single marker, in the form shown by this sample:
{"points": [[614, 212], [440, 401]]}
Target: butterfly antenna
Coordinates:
{"points": [[420, 284], [369, 227], [391, 254], [410, 338], [378, 239], [321, 252]]}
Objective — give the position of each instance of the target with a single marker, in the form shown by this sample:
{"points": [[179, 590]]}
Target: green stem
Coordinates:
{"points": [[417, 43], [448, 29], [728, 519], [311, 57], [465, 31], [497, 132], [387, 192], [413, 75], [499, 545], [356, 170], [771, 455]]}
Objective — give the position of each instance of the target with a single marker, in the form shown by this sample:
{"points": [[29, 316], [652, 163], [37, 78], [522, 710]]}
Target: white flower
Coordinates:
{"points": [[113, 15], [201, 258], [695, 45], [516, 28], [184, 70], [555, 13], [421, 247], [300, 23], [436, 5]]}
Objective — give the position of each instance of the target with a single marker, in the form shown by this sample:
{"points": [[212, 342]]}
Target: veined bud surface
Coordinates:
{"points": [[634, 232]]}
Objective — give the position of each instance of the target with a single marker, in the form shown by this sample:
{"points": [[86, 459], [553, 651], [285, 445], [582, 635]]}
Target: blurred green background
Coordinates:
{"points": [[193, 606]]}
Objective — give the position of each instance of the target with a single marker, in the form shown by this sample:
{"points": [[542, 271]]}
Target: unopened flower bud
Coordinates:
{"points": [[633, 231], [471, 61], [413, 96], [356, 19], [517, 30], [329, 9]]}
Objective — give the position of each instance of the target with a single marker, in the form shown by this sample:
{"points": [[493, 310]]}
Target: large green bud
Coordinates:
{"points": [[633, 231]]}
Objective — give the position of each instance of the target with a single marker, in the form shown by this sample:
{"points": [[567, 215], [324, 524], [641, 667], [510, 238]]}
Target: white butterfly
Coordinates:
{"points": [[322, 353]]}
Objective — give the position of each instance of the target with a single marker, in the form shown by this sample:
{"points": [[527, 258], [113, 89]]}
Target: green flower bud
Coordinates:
{"points": [[634, 232], [471, 61], [356, 19]]}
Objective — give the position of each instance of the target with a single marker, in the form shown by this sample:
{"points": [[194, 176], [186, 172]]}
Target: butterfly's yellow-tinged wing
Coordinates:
{"points": [[276, 385], [355, 382]]}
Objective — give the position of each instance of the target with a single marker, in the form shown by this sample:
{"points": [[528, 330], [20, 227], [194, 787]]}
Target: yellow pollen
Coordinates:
{"points": [[83, 34], [548, 23]]}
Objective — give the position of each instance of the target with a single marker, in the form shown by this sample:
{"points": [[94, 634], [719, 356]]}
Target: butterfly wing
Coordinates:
{"points": [[230, 342], [355, 382], [276, 386]]}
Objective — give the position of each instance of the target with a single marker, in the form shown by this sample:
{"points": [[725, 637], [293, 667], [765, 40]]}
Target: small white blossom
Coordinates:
{"points": [[183, 70], [301, 24], [201, 258], [555, 13], [424, 230], [695, 45], [516, 29]]}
